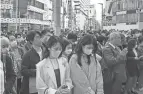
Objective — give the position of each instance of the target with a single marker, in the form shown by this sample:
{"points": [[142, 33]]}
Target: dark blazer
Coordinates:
{"points": [[10, 74], [114, 73], [29, 61], [132, 64], [114, 62]]}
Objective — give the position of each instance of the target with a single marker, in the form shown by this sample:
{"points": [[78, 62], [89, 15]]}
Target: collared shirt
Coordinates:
{"points": [[112, 45]]}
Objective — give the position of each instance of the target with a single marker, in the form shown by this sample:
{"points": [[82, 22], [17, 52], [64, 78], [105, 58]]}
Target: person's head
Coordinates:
{"points": [[45, 35], [72, 37], [4, 45], [86, 45], [34, 37], [123, 39], [67, 47], [53, 47], [140, 39], [12, 38], [115, 38], [18, 37], [132, 43]]}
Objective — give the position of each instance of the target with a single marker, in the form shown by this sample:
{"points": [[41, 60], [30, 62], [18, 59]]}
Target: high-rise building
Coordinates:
{"points": [[20, 15], [81, 13], [124, 14]]}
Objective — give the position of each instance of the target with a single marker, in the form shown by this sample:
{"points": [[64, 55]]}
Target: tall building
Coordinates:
{"points": [[91, 22], [81, 13], [124, 14], [21, 15]]}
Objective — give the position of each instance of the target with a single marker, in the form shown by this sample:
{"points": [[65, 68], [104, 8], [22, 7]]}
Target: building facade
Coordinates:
{"points": [[24, 15], [81, 13], [124, 14]]}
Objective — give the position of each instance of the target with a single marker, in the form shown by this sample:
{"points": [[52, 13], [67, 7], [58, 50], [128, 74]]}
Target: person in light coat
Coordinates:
{"points": [[53, 73], [85, 69], [1, 78]]}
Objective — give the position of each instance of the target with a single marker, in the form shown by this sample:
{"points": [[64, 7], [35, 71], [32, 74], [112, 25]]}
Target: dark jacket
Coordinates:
{"points": [[27, 46], [132, 64], [9, 73], [114, 62], [29, 61], [140, 52]]}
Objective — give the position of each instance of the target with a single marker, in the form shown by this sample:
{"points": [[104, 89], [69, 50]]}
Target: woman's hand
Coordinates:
{"points": [[63, 90], [136, 58], [90, 91]]}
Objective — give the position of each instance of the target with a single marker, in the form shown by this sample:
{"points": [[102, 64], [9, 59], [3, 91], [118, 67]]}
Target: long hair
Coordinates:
{"points": [[86, 40], [50, 43]]}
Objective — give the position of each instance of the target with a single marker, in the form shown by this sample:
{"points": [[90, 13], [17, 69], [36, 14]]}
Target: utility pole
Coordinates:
{"points": [[17, 2], [64, 16], [70, 14], [57, 17], [139, 14]]}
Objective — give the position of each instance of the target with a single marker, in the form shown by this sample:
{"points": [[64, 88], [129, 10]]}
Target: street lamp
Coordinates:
{"points": [[102, 16]]}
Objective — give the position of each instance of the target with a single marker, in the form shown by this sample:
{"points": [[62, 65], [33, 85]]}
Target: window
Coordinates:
{"points": [[31, 14], [39, 5], [32, 2], [132, 18], [6, 13], [38, 16]]}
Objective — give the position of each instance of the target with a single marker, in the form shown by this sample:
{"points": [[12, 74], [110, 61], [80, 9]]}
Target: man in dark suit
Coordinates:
{"points": [[29, 61], [7, 66], [114, 74]]}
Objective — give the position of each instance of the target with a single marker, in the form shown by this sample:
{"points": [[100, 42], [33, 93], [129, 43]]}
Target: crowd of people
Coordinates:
{"points": [[86, 63]]}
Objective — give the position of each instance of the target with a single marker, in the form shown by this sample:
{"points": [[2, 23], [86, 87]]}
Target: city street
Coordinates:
{"points": [[59, 46]]}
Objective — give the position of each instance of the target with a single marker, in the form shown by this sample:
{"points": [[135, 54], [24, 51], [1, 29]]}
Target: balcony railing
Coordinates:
{"points": [[127, 5], [23, 20]]}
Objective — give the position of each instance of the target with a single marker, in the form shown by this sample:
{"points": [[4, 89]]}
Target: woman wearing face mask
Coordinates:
{"points": [[85, 69], [53, 73], [67, 49]]}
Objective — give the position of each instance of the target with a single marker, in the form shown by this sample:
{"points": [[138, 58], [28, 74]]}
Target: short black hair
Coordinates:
{"points": [[18, 34], [140, 39], [65, 43], [72, 36], [30, 36], [43, 32]]}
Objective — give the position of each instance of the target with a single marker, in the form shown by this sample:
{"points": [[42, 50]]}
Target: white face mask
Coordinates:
{"points": [[55, 54], [88, 52], [68, 52]]}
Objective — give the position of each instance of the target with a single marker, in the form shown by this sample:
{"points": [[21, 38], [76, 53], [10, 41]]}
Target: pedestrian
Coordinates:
{"points": [[9, 74], [132, 66], [28, 44], [53, 73], [113, 59], [17, 54], [73, 39], [67, 48], [140, 51], [1, 78], [29, 61], [85, 69]]}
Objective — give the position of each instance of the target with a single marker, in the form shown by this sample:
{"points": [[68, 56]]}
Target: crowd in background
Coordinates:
{"points": [[38, 62]]}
